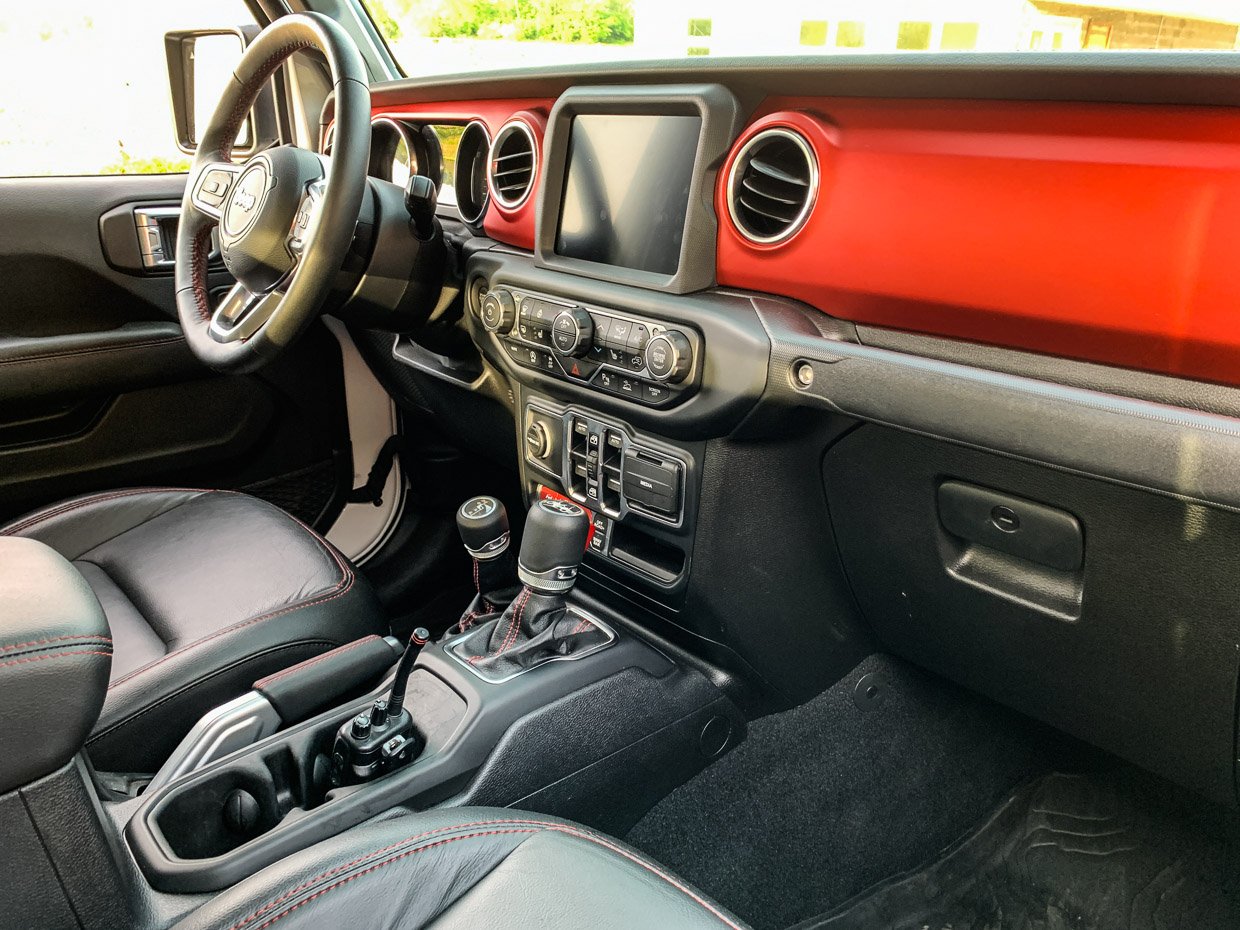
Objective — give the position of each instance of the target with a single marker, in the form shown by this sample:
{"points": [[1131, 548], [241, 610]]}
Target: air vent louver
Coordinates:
{"points": [[772, 186], [514, 162]]}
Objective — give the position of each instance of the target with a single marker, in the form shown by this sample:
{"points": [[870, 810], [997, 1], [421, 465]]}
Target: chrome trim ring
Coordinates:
{"points": [[811, 159], [513, 125], [553, 581]]}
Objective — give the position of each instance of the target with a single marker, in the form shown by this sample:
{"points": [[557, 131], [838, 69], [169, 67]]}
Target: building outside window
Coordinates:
{"points": [[790, 27]]}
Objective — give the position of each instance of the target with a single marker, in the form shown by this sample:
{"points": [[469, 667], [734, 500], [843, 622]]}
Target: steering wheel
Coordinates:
{"points": [[286, 216]]}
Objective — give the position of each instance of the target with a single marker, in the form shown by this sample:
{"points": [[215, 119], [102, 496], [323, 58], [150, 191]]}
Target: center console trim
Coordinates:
{"points": [[442, 771]]}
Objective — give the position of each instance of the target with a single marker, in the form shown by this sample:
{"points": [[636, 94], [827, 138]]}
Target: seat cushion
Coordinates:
{"points": [[205, 592], [464, 868]]}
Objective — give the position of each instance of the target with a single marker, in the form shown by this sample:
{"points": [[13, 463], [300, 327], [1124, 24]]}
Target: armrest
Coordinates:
{"points": [[55, 657]]}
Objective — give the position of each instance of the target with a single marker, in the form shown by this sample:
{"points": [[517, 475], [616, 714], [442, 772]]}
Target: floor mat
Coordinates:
{"points": [[877, 775], [1117, 851]]}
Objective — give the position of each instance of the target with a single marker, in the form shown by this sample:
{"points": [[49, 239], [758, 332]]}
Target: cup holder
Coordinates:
{"points": [[244, 800]]}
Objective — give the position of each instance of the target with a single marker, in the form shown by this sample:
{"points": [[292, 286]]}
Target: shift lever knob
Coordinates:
{"points": [[554, 542], [483, 524]]}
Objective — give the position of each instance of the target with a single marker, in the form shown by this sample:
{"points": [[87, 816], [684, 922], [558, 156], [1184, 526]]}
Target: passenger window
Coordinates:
{"points": [[87, 83]]}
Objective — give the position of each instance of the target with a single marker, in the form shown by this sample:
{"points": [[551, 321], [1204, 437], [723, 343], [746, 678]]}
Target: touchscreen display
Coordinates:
{"points": [[626, 190]]}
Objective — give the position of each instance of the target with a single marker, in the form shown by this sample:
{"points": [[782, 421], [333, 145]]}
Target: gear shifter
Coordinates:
{"points": [[536, 625], [483, 525]]}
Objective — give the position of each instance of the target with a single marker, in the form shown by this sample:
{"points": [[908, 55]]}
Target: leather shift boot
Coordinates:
{"points": [[533, 628]]}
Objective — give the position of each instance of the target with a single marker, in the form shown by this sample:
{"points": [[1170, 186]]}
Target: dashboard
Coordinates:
{"points": [[1079, 229], [751, 316], [629, 244]]}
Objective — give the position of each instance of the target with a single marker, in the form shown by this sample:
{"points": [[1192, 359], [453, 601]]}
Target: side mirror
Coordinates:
{"points": [[200, 63]]}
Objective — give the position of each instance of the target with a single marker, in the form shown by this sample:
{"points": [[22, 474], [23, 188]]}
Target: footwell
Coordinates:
{"points": [[1116, 851]]}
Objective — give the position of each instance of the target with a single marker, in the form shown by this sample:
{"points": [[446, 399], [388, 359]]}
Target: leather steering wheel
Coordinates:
{"points": [[286, 216]]}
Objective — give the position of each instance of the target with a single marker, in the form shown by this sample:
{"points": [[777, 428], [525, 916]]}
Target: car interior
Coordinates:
{"points": [[744, 492]]}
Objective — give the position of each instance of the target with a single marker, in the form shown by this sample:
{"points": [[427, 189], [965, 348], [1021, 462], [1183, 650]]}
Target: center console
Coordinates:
{"points": [[550, 701]]}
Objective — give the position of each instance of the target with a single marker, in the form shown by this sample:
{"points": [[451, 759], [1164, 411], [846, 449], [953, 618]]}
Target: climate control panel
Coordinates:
{"points": [[644, 360]]}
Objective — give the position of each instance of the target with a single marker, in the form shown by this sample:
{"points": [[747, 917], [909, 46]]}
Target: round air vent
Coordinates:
{"points": [[514, 162], [772, 186], [469, 180]]}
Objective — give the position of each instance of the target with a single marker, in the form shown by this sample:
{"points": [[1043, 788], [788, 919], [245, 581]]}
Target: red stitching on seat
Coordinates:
{"points": [[42, 516], [51, 655], [379, 865], [54, 639], [300, 666], [547, 825], [342, 587], [243, 624]]}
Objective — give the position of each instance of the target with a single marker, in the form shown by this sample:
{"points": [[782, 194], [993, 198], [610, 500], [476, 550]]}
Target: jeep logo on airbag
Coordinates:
{"points": [[246, 203]]}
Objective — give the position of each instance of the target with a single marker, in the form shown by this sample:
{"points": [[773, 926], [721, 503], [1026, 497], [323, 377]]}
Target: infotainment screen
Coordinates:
{"points": [[626, 190]]}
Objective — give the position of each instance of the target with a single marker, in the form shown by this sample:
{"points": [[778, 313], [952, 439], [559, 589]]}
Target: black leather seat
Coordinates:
{"points": [[464, 868], [205, 592]]}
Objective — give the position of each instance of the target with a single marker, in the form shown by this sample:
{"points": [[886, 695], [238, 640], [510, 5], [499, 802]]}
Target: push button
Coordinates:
{"points": [[580, 369], [654, 393], [602, 326], [628, 387], [638, 338], [618, 335]]}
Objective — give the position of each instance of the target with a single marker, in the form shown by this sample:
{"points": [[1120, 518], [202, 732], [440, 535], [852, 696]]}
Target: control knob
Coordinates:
{"points": [[572, 331], [669, 356], [499, 311]]}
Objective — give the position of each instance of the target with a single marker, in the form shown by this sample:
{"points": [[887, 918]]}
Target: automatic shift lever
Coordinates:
{"points": [[483, 525], [536, 624]]}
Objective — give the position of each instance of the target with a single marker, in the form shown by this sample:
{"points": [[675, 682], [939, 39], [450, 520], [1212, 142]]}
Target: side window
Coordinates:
{"points": [[86, 83]]}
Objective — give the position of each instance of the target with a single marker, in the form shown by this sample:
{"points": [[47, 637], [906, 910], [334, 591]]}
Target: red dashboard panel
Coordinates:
{"points": [[1100, 232], [515, 227]]}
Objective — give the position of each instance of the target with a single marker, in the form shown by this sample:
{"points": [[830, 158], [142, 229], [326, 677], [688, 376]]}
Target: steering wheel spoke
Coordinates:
{"points": [[242, 313], [211, 187], [307, 211]]}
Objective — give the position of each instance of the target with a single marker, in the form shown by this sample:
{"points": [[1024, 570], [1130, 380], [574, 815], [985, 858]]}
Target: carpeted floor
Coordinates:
{"points": [[1113, 851], [825, 800]]}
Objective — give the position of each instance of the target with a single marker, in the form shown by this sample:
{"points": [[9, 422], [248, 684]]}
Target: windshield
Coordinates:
{"points": [[448, 36]]}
